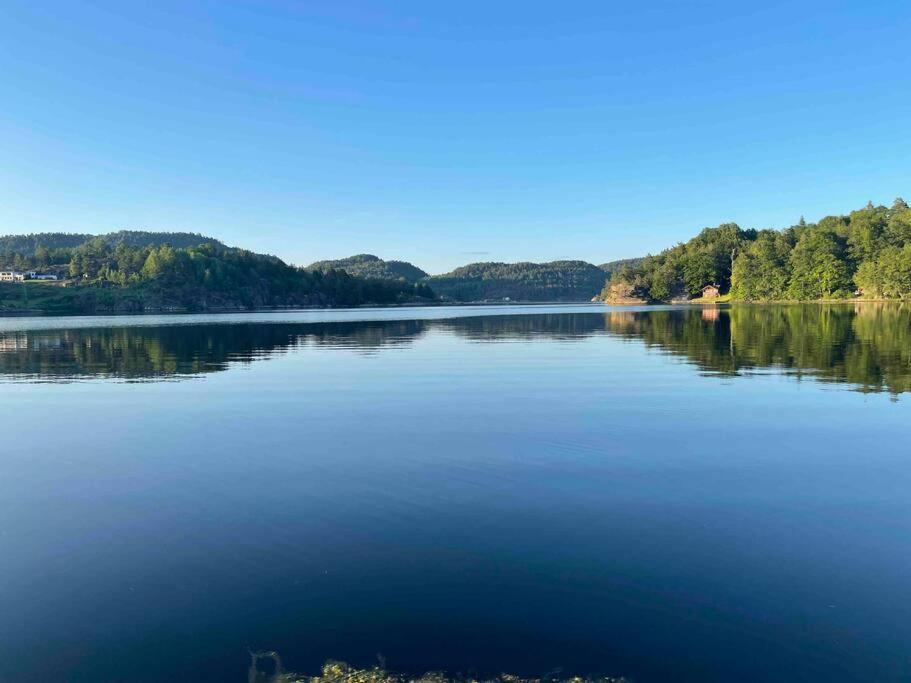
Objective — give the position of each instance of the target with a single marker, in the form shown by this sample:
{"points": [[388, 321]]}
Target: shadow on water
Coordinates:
{"points": [[339, 672], [867, 346]]}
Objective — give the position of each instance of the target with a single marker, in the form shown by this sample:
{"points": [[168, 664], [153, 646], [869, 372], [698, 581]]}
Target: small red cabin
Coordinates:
{"points": [[711, 292]]}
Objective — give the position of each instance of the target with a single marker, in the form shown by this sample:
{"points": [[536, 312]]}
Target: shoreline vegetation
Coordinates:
{"points": [[143, 272], [21, 312], [722, 301], [864, 256]]}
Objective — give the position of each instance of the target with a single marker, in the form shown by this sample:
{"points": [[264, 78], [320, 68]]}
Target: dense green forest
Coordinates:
{"points": [[612, 267], [112, 275], [42, 248], [866, 253], [370, 266], [139, 271], [555, 281]]}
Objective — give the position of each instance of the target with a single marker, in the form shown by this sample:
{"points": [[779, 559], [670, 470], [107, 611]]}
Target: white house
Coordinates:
{"points": [[16, 276]]}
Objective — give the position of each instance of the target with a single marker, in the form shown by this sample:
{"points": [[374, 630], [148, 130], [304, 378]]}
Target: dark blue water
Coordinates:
{"points": [[669, 495]]}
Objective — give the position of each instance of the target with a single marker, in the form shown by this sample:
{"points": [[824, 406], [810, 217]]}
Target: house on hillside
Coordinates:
{"points": [[16, 276], [711, 292]]}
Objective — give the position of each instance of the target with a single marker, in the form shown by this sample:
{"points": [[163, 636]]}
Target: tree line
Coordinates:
{"points": [[865, 253], [208, 275], [370, 266], [47, 248], [554, 281]]}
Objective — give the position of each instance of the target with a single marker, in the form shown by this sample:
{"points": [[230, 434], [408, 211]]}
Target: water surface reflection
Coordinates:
{"points": [[867, 346]]}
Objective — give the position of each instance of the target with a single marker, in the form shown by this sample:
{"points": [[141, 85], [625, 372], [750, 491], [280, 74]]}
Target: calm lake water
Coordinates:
{"points": [[669, 495]]}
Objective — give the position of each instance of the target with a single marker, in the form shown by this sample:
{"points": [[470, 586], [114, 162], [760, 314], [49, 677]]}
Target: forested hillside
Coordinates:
{"points": [[370, 266], [612, 267], [50, 245], [865, 253], [26, 245], [109, 275], [554, 281]]}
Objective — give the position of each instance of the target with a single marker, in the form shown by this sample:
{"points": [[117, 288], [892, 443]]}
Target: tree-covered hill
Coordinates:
{"points": [[370, 266], [866, 253], [612, 267], [554, 281], [104, 275], [27, 245]]}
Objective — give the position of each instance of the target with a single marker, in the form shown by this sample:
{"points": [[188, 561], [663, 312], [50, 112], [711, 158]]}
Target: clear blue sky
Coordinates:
{"points": [[449, 132]]}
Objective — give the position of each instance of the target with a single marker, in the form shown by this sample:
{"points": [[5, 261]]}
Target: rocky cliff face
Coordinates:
{"points": [[623, 293]]}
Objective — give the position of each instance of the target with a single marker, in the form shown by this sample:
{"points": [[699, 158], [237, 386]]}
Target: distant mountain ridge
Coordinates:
{"points": [[486, 281], [26, 245], [524, 281], [370, 266], [612, 267], [74, 253]]}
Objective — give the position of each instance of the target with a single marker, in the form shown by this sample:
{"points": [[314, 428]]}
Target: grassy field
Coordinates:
{"points": [[723, 299]]}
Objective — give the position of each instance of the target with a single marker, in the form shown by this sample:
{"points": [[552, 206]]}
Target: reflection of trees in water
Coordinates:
{"points": [[554, 326], [868, 345], [339, 672], [681, 332], [137, 353]]}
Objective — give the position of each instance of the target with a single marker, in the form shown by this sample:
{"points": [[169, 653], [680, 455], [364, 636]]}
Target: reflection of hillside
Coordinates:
{"points": [[173, 351], [868, 346], [516, 327], [684, 332], [865, 345]]}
